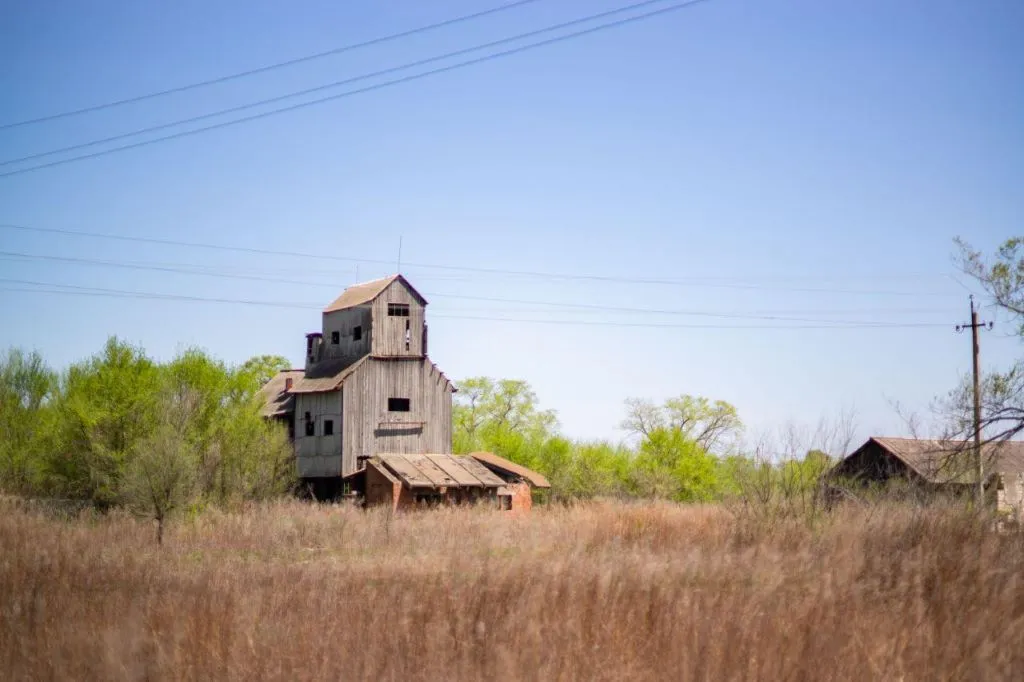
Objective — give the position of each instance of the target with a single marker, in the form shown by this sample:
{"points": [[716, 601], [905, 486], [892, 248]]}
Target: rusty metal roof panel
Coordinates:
{"points": [[406, 471], [491, 460], [481, 472], [453, 468], [429, 468]]}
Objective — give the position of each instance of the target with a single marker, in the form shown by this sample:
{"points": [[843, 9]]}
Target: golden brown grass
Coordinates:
{"points": [[601, 592]]}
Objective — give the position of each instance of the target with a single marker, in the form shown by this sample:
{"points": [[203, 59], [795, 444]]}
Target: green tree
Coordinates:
{"points": [[499, 415], [671, 465], [713, 425], [260, 369], [106, 406], [27, 386], [159, 479]]}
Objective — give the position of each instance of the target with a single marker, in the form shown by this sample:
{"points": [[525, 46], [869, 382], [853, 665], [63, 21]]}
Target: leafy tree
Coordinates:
{"points": [[27, 386], [260, 369], [671, 465], [160, 477], [504, 413], [106, 406], [714, 426]]}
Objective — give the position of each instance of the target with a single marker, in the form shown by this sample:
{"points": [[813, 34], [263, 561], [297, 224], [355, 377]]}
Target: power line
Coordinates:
{"points": [[271, 67], [65, 289], [558, 305], [335, 84], [375, 86], [460, 268]]}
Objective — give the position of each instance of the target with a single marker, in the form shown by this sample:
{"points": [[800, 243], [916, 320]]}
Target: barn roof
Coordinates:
{"points": [[276, 401], [327, 375], [493, 461], [360, 294], [438, 471], [934, 461]]}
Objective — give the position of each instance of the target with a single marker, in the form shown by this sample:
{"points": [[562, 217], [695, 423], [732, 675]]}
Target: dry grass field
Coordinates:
{"points": [[598, 592]]}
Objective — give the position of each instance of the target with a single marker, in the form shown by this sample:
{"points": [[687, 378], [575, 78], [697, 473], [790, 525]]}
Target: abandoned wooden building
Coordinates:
{"points": [[938, 467], [408, 480], [369, 405], [367, 385]]}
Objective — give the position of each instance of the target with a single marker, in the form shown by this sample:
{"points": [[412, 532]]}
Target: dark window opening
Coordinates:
{"points": [[335, 338], [357, 333], [398, 404], [328, 427], [407, 335], [398, 310], [310, 425]]}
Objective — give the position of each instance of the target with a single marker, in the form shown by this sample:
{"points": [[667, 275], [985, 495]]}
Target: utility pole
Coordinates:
{"points": [[976, 352]]}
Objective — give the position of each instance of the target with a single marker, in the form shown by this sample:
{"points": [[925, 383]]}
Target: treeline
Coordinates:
{"points": [[120, 429], [688, 449]]}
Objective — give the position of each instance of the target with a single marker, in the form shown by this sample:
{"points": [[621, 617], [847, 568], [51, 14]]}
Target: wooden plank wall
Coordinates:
{"points": [[389, 332], [344, 322], [319, 455], [366, 405]]}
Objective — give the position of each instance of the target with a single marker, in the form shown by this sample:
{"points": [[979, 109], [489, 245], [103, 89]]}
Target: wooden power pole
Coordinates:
{"points": [[976, 352]]}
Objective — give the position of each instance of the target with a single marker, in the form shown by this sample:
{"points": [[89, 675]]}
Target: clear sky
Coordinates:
{"points": [[770, 157]]}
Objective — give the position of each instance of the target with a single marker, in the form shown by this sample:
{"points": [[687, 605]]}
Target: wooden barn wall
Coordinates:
{"points": [[389, 332], [366, 406], [318, 455], [344, 322]]}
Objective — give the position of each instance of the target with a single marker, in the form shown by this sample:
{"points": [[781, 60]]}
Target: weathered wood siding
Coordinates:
{"points": [[319, 455], [344, 323], [389, 333], [369, 428]]}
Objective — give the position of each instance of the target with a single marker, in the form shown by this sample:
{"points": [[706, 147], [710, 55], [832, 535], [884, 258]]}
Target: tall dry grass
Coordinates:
{"points": [[601, 592]]}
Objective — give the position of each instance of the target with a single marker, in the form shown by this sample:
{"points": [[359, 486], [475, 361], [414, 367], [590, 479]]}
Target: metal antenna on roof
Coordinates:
{"points": [[399, 270]]}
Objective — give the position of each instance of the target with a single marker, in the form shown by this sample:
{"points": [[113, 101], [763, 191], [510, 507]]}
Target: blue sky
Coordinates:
{"points": [[753, 151]]}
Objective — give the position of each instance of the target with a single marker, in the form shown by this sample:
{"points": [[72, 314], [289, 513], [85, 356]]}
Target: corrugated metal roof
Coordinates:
{"points": [[933, 459], [276, 402], [493, 461], [325, 376], [359, 294], [439, 471]]}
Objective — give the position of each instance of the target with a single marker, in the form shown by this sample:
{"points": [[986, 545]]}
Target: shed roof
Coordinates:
{"points": [[493, 461], [276, 401], [438, 471], [935, 460], [326, 376], [360, 294]]}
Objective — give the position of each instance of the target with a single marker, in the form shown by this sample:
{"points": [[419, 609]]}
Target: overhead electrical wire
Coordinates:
{"points": [[335, 84], [558, 305], [383, 84], [271, 67], [66, 289], [692, 282]]}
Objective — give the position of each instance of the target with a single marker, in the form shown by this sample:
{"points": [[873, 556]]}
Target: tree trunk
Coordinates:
{"points": [[160, 531]]}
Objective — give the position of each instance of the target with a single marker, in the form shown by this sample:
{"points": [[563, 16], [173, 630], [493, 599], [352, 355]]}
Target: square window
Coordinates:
{"points": [[335, 338], [328, 427], [357, 333], [398, 310], [398, 404]]}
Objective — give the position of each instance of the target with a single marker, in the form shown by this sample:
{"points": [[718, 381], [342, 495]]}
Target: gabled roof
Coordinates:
{"points": [[437, 471], [494, 462], [939, 461], [360, 294], [277, 402]]}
